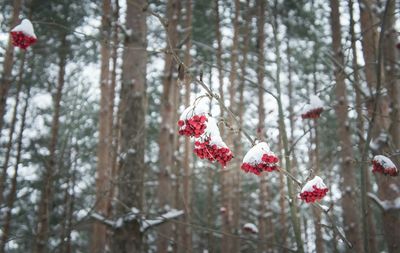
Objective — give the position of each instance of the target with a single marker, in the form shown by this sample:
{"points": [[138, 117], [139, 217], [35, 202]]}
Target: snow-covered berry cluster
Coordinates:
{"points": [[210, 145], [313, 190], [22, 35], [260, 158], [251, 228], [382, 164], [192, 122], [314, 109], [195, 122]]}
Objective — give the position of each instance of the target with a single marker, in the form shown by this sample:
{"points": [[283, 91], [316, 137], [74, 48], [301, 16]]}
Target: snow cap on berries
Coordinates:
{"points": [[211, 146], [250, 227], [382, 164], [23, 34], [260, 158], [192, 121], [314, 109], [313, 190]]}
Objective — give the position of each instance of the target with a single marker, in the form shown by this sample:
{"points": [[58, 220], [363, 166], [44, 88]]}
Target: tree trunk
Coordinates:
{"points": [[128, 238], [13, 192], [371, 236], [98, 243], [42, 229], [3, 178], [261, 8], [348, 185], [187, 232], [167, 140], [389, 186], [8, 64]]}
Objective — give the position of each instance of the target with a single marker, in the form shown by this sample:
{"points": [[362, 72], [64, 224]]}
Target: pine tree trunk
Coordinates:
{"points": [[389, 186], [187, 232], [360, 120], [98, 242], [261, 8], [13, 192], [283, 134], [348, 185], [128, 237], [167, 140], [3, 178], [6, 78], [42, 229]]}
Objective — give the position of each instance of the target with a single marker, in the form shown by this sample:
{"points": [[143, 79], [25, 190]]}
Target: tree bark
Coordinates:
{"points": [[13, 192], [98, 243], [42, 229], [187, 232], [128, 238], [261, 9], [348, 185], [389, 186], [167, 140], [8, 64], [3, 178]]}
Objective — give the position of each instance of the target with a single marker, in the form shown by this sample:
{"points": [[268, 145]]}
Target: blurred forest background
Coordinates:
{"points": [[91, 159]]}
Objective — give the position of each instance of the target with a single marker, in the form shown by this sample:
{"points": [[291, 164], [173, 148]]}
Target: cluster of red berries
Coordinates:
{"points": [[315, 194], [378, 168], [313, 114], [193, 127], [212, 152], [269, 163], [19, 39]]}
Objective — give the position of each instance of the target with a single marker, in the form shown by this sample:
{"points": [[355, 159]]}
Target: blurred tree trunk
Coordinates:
{"points": [[167, 140], [319, 241], [245, 34], [389, 186], [261, 9], [6, 77], [348, 185], [42, 229], [98, 243], [227, 174], [9, 146], [360, 120], [187, 156], [13, 192], [128, 237]]}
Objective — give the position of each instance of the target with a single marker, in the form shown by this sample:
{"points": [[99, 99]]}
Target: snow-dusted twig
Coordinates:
{"points": [[385, 205], [133, 215], [173, 214]]}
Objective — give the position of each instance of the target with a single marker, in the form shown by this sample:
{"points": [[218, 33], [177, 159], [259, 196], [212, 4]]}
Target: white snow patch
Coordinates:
{"points": [[251, 227], [385, 162], [316, 181], [255, 154], [198, 108], [25, 27]]}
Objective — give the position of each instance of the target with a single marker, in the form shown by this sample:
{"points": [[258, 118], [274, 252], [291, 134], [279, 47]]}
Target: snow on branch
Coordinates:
{"points": [[102, 219], [146, 224], [133, 215], [385, 205]]}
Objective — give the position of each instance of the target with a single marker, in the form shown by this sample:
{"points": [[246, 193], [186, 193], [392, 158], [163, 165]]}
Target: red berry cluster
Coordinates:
{"points": [[193, 127], [269, 163], [19, 39], [313, 114], [377, 167], [312, 196], [204, 150]]}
